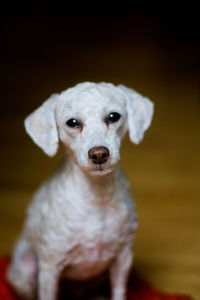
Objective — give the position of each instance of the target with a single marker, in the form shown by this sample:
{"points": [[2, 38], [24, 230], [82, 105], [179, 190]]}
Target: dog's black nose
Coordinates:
{"points": [[99, 155]]}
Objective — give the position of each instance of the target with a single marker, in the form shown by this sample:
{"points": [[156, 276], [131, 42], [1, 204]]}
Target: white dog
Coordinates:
{"points": [[82, 221]]}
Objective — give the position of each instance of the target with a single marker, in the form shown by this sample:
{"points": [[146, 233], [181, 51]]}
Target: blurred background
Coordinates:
{"points": [[46, 48]]}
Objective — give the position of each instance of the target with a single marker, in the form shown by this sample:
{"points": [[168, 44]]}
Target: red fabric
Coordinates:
{"points": [[138, 289], [6, 292]]}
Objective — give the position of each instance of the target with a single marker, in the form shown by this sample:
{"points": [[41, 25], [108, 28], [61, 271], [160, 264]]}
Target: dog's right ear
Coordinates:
{"points": [[41, 126]]}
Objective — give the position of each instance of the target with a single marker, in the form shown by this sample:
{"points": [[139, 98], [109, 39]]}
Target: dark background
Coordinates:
{"points": [[46, 48]]}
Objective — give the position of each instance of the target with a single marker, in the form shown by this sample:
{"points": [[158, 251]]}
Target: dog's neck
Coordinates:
{"points": [[101, 187]]}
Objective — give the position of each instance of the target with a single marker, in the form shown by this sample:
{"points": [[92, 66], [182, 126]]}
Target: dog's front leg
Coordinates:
{"points": [[119, 272], [48, 281]]}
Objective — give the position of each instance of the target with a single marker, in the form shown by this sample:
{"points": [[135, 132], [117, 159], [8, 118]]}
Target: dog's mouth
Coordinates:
{"points": [[101, 169]]}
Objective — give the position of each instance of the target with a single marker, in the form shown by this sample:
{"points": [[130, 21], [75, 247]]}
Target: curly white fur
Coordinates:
{"points": [[82, 220]]}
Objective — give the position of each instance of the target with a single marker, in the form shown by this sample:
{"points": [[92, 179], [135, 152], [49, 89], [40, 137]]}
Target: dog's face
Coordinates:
{"points": [[91, 119], [91, 123]]}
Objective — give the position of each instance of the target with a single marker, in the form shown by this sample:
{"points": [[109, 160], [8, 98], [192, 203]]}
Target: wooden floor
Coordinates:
{"points": [[164, 170]]}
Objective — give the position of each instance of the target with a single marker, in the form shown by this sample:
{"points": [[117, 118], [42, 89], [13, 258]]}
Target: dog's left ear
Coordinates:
{"points": [[140, 112], [42, 128]]}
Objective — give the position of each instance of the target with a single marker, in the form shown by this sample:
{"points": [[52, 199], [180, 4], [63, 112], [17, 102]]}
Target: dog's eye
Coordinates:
{"points": [[112, 118], [73, 123]]}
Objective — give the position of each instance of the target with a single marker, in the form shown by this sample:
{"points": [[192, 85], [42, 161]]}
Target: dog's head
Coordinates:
{"points": [[90, 119]]}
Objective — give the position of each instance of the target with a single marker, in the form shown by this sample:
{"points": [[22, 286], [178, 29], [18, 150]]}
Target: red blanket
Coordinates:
{"points": [[138, 289]]}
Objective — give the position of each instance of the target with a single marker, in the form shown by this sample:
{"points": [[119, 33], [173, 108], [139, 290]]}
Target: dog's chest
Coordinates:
{"points": [[96, 240]]}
